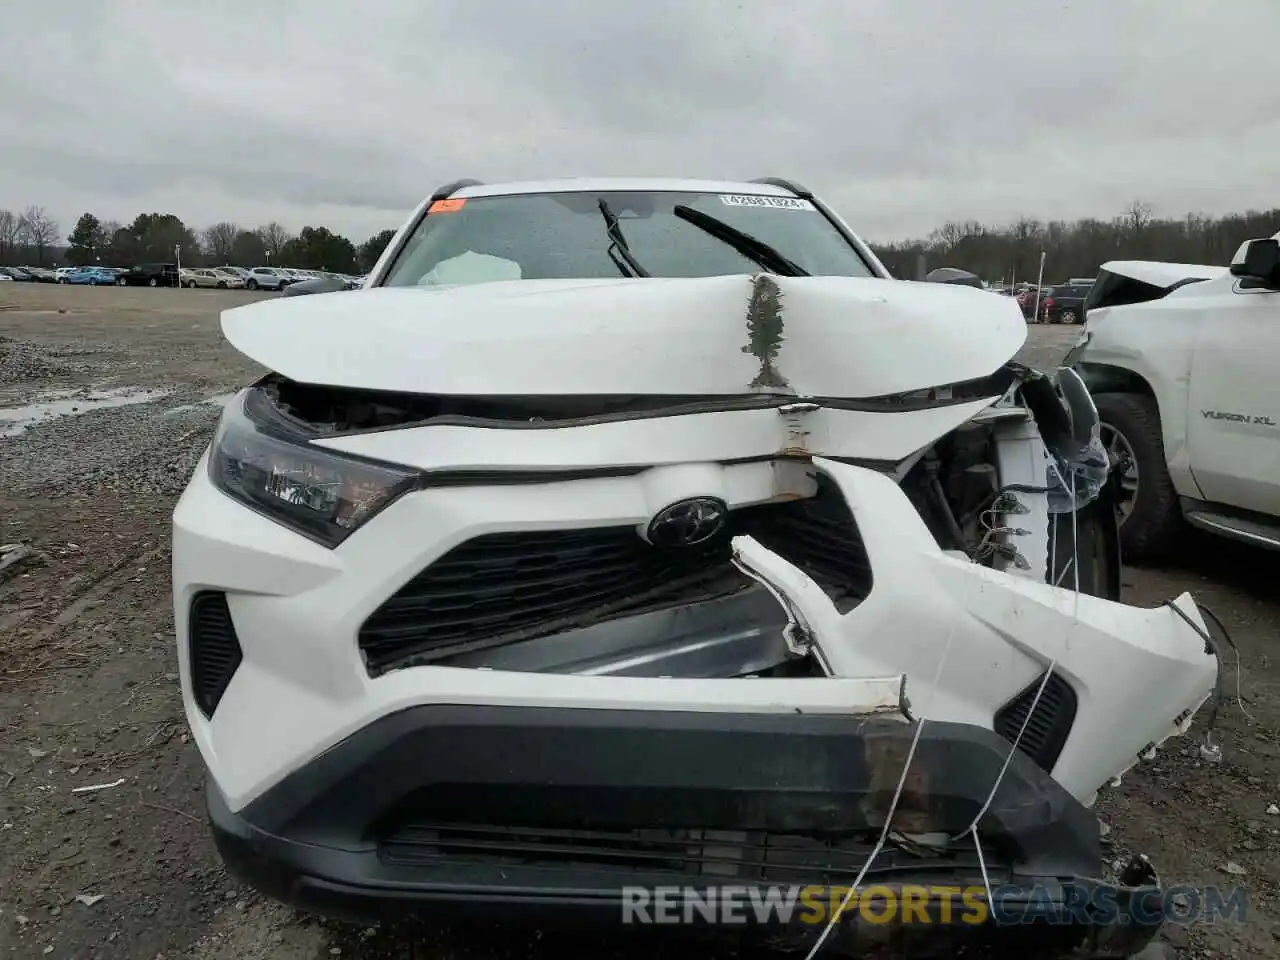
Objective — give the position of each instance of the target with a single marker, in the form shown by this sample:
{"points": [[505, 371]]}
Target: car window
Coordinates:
{"points": [[564, 236]]}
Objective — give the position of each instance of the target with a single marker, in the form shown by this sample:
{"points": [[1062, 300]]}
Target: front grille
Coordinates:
{"points": [[214, 649], [743, 856], [1050, 725], [505, 587]]}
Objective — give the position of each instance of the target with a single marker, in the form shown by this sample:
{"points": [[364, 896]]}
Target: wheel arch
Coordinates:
{"points": [[1112, 378], [1106, 378]]}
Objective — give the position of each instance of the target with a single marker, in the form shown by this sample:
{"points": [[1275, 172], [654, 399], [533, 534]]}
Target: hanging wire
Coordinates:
{"points": [[897, 793], [915, 740], [1035, 702]]}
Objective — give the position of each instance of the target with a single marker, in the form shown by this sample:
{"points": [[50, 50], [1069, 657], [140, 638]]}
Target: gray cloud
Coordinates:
{"points": [[904, 113]]}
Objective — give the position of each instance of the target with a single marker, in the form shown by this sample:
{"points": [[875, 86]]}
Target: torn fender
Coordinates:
{"points": [[1138, 675]]}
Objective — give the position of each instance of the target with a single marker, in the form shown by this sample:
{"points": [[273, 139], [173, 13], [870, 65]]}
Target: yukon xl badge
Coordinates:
{"points": [[1238, 417], [687, 522]]}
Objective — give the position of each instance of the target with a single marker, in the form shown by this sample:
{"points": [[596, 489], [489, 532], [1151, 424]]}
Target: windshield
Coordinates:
{"points": [[563, 236]]}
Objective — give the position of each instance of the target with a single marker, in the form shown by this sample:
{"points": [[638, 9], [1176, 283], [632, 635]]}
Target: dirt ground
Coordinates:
{"points": [[89, 692]]}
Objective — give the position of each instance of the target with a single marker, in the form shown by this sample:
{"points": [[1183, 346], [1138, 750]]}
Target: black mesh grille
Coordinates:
{"points": [[214, 648], [1050, 725], [509, 586], [751, 856]]}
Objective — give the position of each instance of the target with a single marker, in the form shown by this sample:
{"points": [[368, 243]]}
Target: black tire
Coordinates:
{"points": [[252, 284], [1154, 520], [153, 282], [191, 284], [121, 282], [221, 285], [1085, 551]]}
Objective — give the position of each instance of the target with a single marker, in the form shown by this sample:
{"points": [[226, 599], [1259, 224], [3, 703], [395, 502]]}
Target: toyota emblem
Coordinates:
{"points": [[687, 522]]}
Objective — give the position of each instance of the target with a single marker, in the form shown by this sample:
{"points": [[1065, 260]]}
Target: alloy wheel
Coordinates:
{"points": [[1125, 464]]}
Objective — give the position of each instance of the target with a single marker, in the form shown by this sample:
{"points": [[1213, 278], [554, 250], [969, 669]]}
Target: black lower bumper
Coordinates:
{"points": [[661, 818]]}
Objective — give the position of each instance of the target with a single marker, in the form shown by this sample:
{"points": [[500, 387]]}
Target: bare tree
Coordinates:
{"points": [[37, 230], [274, 239], [8, 236], [219, 239], [1137, 216]]}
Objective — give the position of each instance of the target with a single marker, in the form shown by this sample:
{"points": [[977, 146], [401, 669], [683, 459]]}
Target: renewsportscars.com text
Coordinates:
{"points": [[909, 904]]}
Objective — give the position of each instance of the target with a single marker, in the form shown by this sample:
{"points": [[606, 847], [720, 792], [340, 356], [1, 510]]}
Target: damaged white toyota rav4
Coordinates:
{"points": [[631, 534]]}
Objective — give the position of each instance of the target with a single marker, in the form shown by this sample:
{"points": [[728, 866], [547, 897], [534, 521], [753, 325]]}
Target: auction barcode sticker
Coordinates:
{"points": [[754, 200]]}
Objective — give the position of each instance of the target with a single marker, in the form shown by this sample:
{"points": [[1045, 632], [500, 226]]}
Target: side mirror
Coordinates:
{"points": [[955, 276], [1258, 260], [318, 285]]}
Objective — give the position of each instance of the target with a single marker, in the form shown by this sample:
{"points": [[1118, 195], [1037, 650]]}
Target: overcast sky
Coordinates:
{"points": [[903, 113]]}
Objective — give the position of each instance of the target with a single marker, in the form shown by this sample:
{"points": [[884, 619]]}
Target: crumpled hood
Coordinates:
{"points": [[716, 336]]}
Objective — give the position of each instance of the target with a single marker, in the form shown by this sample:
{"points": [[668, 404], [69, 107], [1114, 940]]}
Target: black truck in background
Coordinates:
{"points": [[150, 275]]}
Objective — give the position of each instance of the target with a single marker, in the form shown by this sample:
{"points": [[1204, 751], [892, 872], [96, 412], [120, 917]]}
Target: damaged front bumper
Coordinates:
{"points": [[591, 814], [506, 788], [971, 640]]}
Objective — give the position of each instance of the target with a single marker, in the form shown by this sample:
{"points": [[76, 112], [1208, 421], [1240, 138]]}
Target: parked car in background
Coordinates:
{"points": [[1064, 303], [1027, 303], [17, 273], [5, 278], [150, 275], [91, 276], [1180, 359], [228, 278], [266, 278], [200, 277], [41, 274], [61, 273]]}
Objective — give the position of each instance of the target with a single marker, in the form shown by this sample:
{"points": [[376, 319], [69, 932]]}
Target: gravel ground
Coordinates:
{"points": [[89, 694]]}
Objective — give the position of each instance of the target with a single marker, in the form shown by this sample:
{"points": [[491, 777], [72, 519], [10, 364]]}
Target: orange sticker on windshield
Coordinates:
{"points": [[447, 206]]}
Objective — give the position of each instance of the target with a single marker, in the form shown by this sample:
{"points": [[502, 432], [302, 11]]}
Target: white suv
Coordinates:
{"points": [[614, 536], [1181, 359], [266, 278]]}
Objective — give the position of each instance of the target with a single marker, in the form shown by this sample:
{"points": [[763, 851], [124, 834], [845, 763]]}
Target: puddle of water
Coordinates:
{"points": [[221, 400], [15, 421]]}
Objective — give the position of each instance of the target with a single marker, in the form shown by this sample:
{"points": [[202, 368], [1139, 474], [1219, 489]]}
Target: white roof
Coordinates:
{"points": [[637, 184], [1162, 274]]}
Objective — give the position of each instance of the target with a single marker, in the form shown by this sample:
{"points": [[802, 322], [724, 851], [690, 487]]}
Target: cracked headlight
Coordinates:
{"points": [[317, 493]]}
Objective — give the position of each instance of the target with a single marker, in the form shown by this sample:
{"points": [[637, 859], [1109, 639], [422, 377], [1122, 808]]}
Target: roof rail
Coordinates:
{"points": [[791, 185], [449, 189]]}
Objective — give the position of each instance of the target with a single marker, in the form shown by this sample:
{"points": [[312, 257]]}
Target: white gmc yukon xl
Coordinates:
{"points": [[1182, 360]]}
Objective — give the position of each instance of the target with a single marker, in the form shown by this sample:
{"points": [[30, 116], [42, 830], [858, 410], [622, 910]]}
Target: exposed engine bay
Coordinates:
{"points": [[972, 497], [338, 410]]}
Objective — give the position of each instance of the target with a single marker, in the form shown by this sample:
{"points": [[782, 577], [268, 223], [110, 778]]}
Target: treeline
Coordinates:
{"points": [[1072, 249], [1080, 247], [32, 238]]}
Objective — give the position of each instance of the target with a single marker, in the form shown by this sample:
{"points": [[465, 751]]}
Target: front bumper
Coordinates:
{"points": [[582, 814], [297, 609]]}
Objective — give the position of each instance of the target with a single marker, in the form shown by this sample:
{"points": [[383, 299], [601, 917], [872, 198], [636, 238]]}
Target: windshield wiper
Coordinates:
{"points": [[754, 250], [619, 252]]}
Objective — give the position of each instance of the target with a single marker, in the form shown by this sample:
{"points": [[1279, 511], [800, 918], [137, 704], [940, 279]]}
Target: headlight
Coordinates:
{"points": [[315, 492]]}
